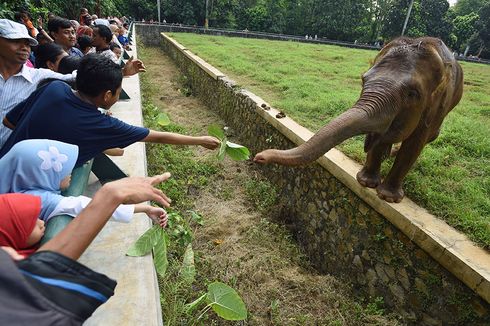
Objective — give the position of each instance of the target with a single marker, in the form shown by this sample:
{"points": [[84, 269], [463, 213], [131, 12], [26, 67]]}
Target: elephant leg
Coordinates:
{"points": [[369, 175], [391, 187]]}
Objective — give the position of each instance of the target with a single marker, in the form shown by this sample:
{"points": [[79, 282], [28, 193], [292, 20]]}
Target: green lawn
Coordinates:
{"points": [[314, 83]]}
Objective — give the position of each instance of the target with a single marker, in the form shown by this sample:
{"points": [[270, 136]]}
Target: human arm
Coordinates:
{"points": [[8, 124], [42, 31], [77, 235], [113, 151], [157, 214], [178, 139]]}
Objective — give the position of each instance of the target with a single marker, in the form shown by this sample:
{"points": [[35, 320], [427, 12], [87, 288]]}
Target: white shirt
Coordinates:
{"points": [[18, 87], [109, 54], [74, 205]]}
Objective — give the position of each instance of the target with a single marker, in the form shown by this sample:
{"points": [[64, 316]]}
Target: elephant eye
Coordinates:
{"points": [[413, 94]]}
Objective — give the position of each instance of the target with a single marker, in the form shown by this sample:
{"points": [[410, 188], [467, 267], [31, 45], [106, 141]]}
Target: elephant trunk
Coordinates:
{"points": [[371, 114]]}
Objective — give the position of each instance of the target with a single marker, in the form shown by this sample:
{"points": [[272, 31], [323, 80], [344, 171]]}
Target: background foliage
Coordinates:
{"points": [[467, 24]]}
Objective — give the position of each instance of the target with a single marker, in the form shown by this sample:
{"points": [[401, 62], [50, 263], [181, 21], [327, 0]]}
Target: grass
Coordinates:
{"points": [[238, 244], [314, 83]]}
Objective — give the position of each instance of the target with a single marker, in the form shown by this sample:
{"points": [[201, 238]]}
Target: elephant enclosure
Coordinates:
{"points": [[314, 83]]}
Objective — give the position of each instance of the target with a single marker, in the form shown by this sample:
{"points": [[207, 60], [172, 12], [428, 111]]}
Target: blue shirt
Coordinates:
{"points": [[54, 112], [75, 52]]}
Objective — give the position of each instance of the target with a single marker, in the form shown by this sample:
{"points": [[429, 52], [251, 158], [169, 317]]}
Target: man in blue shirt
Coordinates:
{"points": [[64, 34], [57, 112]]}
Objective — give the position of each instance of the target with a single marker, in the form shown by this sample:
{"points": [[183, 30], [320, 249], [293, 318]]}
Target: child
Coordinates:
{"points": [[43, 168], [20, 227]]}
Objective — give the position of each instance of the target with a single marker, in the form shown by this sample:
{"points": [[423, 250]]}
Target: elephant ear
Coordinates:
{"points": [[440, 95]]}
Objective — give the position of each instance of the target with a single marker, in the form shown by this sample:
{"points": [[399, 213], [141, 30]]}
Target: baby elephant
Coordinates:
{"points": [[410, 88]]}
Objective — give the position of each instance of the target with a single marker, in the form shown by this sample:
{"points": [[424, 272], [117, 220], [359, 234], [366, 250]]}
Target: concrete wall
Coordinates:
{"points": [[137, 298], [424, 269]]}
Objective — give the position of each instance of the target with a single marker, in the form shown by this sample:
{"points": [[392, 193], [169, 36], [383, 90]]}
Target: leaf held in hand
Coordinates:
{"points": [[237, 152], [226, 302], [160, 252], [216, 131], [143, 245], [163, 119], [222, 151]]}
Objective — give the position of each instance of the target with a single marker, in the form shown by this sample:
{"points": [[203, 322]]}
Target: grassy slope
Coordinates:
{"points": [[314, 83]]}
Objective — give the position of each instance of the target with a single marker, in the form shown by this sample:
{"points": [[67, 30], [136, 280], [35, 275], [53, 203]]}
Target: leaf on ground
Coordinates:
{"points": [[237, 152], [191, 306], [226, 302], [163, 119], [188, 270], [160, 252], [196, 218], [143, 245], [216, 131]]}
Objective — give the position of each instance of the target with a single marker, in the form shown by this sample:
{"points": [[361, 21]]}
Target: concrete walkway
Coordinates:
{"points": [[137, 298]]}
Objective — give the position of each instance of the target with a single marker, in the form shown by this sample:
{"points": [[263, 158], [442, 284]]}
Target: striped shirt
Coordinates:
{"points": [[18, 87]]}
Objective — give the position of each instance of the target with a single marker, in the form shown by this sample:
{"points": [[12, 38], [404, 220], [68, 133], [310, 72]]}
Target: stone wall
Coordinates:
{"points": [[340, 232]]}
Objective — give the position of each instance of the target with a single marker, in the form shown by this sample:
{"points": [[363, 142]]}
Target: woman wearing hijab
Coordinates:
{"points": [[43, 167]]}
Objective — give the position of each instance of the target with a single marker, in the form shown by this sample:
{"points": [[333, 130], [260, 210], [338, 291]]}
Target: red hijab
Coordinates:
{"points": [[18, 216]]}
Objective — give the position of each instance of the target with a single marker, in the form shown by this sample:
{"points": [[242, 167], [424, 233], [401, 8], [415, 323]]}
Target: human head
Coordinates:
{"points": [[116, 49], [87, 19], [74, 24], [99, 78], [85, 30], [102, 36], [42, 39], [68, 64], [84, 43], [15, 42], [37, 167], [62, 32], [49, 56], [20, 227], [83, 11]]}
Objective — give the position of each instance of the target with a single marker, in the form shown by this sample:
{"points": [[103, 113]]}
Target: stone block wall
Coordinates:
{"points": [[341, 233]]}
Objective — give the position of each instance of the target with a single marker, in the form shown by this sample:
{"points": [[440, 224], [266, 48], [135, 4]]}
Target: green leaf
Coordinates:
{"points": [[226, 302], [163, 119], [188, 270], [191, 306], [216, 131], [237, 152], [160, 252], [222, 151], [143, 245], [196, 218]]}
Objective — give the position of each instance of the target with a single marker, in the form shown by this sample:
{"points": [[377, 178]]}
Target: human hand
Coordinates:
{"points": [[132, 67], [40, 22], [158, 215], [134, 190], [12, 253], [209, 142]]}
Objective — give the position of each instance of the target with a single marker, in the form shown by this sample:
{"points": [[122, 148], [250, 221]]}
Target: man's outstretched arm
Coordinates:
{"points": [[80, 232], [178, 139]]}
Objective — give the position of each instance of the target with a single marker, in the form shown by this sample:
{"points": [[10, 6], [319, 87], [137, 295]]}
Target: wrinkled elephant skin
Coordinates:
{"points": [[406, 94]]}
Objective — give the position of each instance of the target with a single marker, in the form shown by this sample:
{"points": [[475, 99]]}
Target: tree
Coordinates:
{"points": [[466, 7], [464, 28]]}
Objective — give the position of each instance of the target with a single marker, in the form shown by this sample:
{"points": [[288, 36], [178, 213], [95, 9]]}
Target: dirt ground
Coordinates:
{"points": [[247, 248]]}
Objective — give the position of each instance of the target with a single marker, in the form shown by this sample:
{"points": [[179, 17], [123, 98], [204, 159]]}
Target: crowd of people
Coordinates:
{"points": [[56, 86]]}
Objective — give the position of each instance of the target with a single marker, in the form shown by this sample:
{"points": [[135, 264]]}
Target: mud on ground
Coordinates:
{"points": [[247, 248]]}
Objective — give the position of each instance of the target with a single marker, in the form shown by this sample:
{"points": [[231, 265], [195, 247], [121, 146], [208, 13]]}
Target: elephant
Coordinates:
{"points": [[407, 92]]}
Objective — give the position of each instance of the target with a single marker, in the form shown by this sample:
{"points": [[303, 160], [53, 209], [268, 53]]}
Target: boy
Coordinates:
{"points": [[58, 113]]}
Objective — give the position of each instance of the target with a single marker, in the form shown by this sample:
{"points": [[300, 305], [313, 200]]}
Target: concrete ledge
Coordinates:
{"points": [[450, 248], [137, 298], [212, 71]]}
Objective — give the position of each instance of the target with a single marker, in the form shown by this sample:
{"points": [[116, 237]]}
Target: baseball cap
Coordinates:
{"points": [[14, 31]]}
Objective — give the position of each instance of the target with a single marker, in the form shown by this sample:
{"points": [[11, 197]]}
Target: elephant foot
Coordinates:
{"points": [[390, 194], [367, 179]]}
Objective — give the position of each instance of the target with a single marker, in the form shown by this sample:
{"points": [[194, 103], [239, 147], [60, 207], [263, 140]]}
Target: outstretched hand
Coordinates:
{"points": [[134, 190], [133, 66], [209, 142]]}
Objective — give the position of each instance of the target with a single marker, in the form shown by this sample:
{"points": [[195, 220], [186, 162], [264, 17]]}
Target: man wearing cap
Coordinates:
{"points": [[17, 81]]}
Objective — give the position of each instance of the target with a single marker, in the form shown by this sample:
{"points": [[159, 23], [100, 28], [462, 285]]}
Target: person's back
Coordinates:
{"points": [[55, 112]]}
